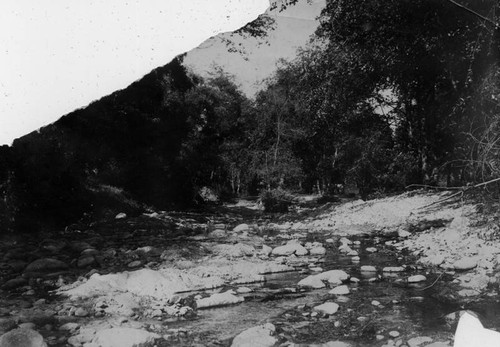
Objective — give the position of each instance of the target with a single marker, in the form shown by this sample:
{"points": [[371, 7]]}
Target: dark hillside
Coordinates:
{"points": [[126, 144]]}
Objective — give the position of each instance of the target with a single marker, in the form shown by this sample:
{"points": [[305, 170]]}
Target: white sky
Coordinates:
{"points": [[59, 55]]}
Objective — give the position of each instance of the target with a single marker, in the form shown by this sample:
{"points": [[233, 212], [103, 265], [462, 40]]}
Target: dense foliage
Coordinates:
{"points": [[388, 93]]}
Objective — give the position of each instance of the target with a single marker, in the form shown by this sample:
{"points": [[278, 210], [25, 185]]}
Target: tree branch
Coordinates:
{"points": [[474, 13]]}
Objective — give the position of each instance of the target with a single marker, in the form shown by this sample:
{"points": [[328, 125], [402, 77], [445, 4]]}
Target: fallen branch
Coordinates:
{"points": [[433, 283], [432, 187], [461, 192]]}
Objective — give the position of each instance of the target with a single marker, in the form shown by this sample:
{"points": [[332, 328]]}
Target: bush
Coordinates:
{"points": [[276, 200]]}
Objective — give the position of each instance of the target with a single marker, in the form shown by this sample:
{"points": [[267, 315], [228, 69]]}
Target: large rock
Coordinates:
{"points": [[124, 337], [333, 277], [292, 247], [266, 250], [22, 338], [241, 228], [260, 336], [419, 340], [416, 279], [470, 332], [465, 264], [433, 260], [312, 281], [52, 246], [161, 284], [219, 299], [15, 283], [320, 250], [327, 308], [45, 266], [340, 290]]}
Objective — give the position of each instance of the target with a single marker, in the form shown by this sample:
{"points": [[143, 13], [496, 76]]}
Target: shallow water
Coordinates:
{"points": [[408, 309]]}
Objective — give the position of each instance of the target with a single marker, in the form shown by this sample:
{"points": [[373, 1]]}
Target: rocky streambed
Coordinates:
{"points": [[390, 272]]}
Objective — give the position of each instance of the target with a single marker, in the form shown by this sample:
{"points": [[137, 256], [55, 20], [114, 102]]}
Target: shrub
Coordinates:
{"points": [[276, 200]]}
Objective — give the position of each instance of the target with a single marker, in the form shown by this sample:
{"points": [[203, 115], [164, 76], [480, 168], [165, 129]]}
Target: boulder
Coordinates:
{"points": [[417, 278], [219, 299], [85, 261], [22, 338], [15, 283], [433, 260], [334, 277], [327, 308], [403, 233], [368, 268], [317, 250], [419, 340], [465, 264], [260, 336], [470, 332], [217, 233], [45, 266], [312, 281], [292, 247], [241, 228], [333, 344], [124, 337], [266, 250], [340, 290]]}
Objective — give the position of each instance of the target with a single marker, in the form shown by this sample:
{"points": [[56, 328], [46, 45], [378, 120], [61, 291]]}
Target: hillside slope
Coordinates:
{"points": [[252, 59]]}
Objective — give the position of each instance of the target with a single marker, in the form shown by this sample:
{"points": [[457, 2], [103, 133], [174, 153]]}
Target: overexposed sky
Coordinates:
{"points": [[59, 55]]}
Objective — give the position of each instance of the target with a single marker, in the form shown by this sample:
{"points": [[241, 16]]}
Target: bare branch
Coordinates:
{"points": [[474, 13]]}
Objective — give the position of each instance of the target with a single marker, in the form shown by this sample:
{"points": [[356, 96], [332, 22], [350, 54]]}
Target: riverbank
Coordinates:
{"points": [[387, 272]]}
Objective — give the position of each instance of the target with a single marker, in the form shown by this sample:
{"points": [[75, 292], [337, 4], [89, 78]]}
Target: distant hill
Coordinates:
{"points": [[252, 59]]}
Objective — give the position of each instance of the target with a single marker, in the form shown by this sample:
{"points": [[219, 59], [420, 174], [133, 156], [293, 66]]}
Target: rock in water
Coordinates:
{"points": [[15, 283], [266, 250], [121, 215], [340, 290], [259, 336], [318, 250], [465, 264], [220, 299], [393, 269], [241, 227], [22, 338], [334, 277], [470, 332], [417, 341], [368, 268], [45, 266], [334, 344], [124, 337], [327, 308], [292, 247], [416, 279]]}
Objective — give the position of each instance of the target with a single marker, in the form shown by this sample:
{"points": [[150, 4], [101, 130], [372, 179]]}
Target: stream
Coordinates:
{"points": [[378, 304], [381, 308]]}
